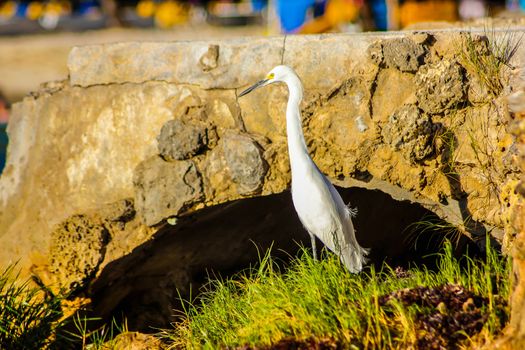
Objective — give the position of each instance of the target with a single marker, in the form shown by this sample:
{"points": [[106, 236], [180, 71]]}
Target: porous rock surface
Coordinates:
{"points": [[440, 86], [411, 132], [179, 140], [514, 337], [159, 127]]}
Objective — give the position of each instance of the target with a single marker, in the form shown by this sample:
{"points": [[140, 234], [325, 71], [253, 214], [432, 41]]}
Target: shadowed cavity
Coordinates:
{"points": [[146, 285]]}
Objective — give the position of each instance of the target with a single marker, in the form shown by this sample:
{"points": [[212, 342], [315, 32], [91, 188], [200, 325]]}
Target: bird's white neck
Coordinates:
{"points": [[297, 149]]}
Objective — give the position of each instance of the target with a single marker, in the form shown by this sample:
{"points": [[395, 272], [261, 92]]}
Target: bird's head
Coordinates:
{"points": [[278, 74]]}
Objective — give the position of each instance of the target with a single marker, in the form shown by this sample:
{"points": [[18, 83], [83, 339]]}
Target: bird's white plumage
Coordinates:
{"points": [[318, 204]]}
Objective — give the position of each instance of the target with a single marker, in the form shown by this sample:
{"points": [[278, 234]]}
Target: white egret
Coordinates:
{"points": [[317, 203]]}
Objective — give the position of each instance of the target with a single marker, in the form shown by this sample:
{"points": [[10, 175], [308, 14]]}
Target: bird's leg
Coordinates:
{"points": [[314, 249]]}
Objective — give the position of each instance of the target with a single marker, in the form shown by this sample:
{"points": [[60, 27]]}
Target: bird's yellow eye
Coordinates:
{"points": [[270, 76]]}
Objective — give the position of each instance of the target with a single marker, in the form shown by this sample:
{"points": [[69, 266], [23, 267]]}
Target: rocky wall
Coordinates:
{"points": [[515, 333], [147, 136]]}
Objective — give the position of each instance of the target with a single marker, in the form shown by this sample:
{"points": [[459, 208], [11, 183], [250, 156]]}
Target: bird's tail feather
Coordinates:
{"points": [[352, 255]]}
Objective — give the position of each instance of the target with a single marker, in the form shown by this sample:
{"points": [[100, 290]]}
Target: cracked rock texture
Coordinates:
{"points": [[159, 127], [403, 54], [77, 249], [410, 132], [515, 335], [243, 158], [440, 86], [164, 189], [179, 140]]}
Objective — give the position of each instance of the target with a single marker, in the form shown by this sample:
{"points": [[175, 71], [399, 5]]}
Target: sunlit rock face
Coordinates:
{"points": [[515, 238], [145, 170]]}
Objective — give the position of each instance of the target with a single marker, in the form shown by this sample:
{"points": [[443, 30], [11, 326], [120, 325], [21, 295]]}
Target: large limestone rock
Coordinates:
{"points": [[146, 160], [515, 335]]}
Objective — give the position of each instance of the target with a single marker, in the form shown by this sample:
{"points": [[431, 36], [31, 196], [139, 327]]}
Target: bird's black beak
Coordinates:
{"points": [[253, 87]]}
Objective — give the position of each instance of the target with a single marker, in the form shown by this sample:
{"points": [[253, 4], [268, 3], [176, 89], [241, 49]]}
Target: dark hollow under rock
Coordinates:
{"points": [[146, 285]]}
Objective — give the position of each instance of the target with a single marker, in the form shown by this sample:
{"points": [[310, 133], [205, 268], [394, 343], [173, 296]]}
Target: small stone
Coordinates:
{"points": [[360, 123], [520, 188], [209, 60], [220, 114], [516, 101], [421, 38], [375, 52], [468, 305], [120, 211], [442, 308]]}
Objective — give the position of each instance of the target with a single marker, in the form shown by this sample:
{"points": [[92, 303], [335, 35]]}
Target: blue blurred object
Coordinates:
{"points": [[21, 9], [3, 145], [380, 14], [515, 5], [259, 5], [292, 13], [87, 6]]}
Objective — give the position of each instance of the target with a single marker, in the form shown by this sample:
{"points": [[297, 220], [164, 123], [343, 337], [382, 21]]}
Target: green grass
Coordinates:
{"points": [[486, 56], [308, 301], [29, 315], [321, 300], [103, 337]]}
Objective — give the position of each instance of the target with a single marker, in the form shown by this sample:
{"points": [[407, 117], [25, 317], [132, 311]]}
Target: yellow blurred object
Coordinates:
{"points": [[8, 9], [53, 7], [412, 12], [66, 6], [170, 13], [34, 10], [336, 12], [146, 8]]}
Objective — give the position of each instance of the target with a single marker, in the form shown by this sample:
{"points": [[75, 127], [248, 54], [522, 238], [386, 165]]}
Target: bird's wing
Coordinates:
{"points": [[351, 253]]}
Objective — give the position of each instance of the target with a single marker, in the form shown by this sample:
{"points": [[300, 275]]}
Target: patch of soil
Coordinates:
{"points": [[449, 313], [294, 344]]}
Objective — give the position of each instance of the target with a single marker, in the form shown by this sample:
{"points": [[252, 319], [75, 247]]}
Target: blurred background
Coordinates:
{"points": [[36, 35]]}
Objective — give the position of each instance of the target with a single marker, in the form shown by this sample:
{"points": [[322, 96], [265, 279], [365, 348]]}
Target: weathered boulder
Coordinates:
{"points": [[79, 244], [440, 86], [243, 158], [164, 189], [161, 123], [410, 131], [404, 54], [179, 140], [77, 249]]}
